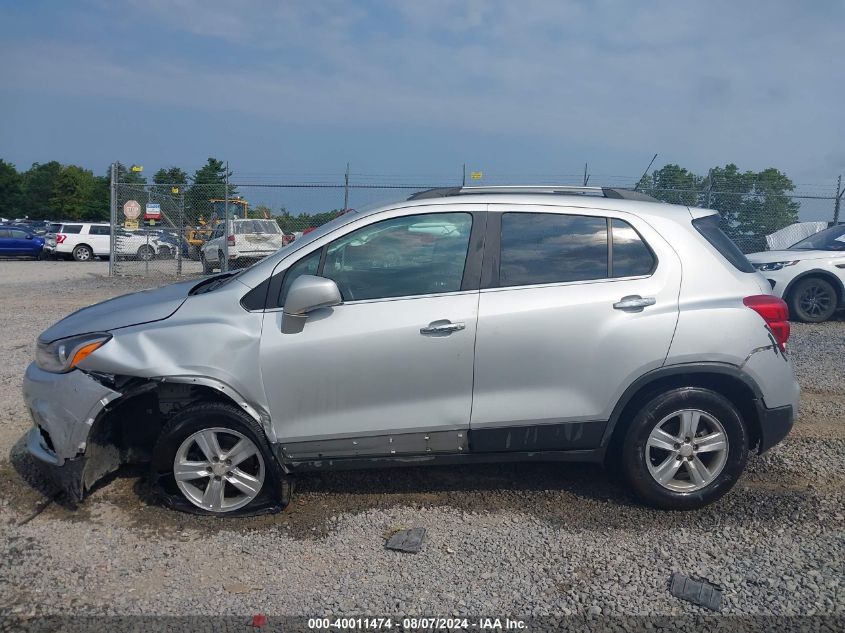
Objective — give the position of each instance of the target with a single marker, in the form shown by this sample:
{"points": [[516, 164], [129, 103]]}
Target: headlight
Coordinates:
{"points": [[63, 355], [774, 265]]}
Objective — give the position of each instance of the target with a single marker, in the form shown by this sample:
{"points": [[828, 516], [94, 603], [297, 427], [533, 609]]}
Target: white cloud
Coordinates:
{"points": [[757, 84]]}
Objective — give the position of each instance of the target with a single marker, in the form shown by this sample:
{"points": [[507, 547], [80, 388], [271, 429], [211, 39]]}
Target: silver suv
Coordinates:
{"points": [[460, 326]]}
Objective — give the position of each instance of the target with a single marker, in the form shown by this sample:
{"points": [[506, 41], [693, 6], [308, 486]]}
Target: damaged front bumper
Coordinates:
{"points": [[64, 408]]}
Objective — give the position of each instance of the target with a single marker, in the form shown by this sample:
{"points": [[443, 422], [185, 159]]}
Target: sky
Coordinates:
{"points": [[409, 91]]}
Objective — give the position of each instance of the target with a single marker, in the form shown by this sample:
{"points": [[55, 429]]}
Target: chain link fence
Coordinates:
{"points": [[179, 229]]}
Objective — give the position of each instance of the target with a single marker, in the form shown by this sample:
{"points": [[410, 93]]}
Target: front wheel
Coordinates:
{"points": [[211, 458], [146, 253], [812, 300], [685, 449]]}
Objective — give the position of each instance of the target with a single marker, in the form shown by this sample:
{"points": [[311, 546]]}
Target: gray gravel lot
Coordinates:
{"points": [[514, 540]]}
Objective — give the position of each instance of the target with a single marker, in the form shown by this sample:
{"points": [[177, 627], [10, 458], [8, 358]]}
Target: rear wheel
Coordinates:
{"points": [[212, 458], [685, 448], [83, 253], [812, 300]]}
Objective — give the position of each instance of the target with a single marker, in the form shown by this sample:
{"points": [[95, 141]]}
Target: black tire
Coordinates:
{"points": [[206, 267], [83, 253], [636, 468], [276, 489], [812, 300]]}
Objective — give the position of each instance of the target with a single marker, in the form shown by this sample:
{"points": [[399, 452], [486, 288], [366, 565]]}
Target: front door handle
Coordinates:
{"points": [[634, 303], [442, 327]]}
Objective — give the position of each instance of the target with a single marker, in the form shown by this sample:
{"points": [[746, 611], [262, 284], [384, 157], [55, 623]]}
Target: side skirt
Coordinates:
{"points": [[571, 441], [595, 455]]}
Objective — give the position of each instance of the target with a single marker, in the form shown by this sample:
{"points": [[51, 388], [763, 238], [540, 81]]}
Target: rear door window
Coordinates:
{"points": [[540, 248]]}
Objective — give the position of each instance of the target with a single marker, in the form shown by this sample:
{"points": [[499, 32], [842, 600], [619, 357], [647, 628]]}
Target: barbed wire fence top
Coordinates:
{"points": [[175, 229]]}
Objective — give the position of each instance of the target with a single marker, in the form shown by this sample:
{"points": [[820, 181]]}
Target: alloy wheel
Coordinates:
{"points": [[686, 450], [219, 469], [815, 300]]}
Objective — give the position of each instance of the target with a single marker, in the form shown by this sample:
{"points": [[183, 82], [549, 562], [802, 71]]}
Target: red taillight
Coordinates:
{"points": [[775, 313], [60, 238], [231, 239]]}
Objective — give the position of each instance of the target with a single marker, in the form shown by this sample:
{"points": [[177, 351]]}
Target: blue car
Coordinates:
{"points": [[17, 242]]}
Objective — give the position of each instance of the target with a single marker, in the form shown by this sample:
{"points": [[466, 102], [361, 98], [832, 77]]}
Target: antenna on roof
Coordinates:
{"points": [[645, 173], [586, 175]]}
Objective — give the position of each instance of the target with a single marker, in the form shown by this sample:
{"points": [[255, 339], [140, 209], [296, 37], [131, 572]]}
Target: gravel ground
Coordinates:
{"points": [[515, 540]]}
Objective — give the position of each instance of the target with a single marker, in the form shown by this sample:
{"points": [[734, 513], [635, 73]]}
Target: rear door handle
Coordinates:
{"points": [[634, 303], [442, 327]]}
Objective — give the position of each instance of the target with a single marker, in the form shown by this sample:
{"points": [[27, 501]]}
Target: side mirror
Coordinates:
{"points": [[307, 293], [29, 236]]}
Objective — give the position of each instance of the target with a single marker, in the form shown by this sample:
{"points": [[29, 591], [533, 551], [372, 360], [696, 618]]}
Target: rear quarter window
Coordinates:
{"points": [[709, 227], [71, 228]]}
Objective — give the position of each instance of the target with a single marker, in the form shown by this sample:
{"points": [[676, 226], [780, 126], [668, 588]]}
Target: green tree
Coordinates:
{"points": [[291, 224], [38, 185], [166, 179], [99, 205], [752, 205], [128, 176], [768, 207], [11, 190], [209, 183], [672, 183], [72, 193], [260, 212]]}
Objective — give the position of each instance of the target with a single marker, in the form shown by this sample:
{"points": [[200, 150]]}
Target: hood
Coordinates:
{"points": [[133, 309], [766, 257]]}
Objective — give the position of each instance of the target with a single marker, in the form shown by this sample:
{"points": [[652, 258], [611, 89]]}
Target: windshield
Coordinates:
{"points": [[256, 226], [832, 239]]}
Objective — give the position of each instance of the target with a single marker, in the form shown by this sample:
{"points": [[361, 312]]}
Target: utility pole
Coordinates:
{"points": [[586, 177], [224, 265], [709, 187], [464, 178], [113, 214], [346, 189], [836, 204]]}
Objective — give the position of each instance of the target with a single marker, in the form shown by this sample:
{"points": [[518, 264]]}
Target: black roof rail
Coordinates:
{"points": [[437, 192]]}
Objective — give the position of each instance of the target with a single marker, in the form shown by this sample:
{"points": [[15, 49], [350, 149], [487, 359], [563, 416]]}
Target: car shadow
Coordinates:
{"points": [[564, 494]]}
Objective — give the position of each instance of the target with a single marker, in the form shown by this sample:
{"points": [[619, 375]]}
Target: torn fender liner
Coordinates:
{"points": [[696, 590], [77, 476]]}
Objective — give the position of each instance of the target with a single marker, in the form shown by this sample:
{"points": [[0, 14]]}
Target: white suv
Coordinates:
{"points": [[249, 241], [81, 240], [809, 275]]}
